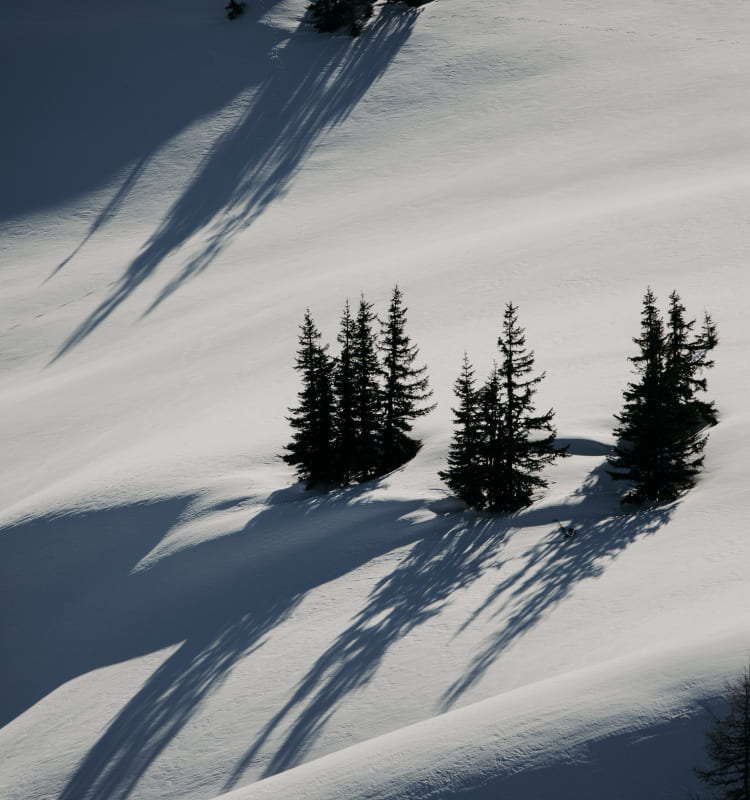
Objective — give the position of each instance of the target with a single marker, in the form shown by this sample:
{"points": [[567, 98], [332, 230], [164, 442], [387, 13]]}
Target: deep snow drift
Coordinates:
{"points": [[179, 619]]}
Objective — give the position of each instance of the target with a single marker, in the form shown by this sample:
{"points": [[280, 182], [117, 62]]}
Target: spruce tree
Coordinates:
{"points": [[490, 422], [234, 9], [345, 394], [641, 431], [728, 745], [514, 458], [367, 398], [464, 473], [405, 387], [685, 362], [330, 15], [661, 429], [703, 344], [311, 449], [500, 445]]}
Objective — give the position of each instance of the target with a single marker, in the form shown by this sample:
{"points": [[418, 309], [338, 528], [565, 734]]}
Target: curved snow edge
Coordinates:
{"points": [[528, 728]]}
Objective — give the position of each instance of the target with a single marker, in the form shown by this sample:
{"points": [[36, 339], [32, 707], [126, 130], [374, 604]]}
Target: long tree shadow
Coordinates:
{"points": [[107, 213], [170, 697], [77, 595], [434, 568], [315, 84], [552, 568], [113, 91]]}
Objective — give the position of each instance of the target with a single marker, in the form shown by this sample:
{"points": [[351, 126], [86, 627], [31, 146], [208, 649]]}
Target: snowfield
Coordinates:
{"points": [[179, 619]]}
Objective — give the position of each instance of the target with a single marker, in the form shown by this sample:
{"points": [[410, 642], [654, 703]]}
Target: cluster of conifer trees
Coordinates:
{"points": [[355, 411], [661, 429], [494, 462], [332, 15]]}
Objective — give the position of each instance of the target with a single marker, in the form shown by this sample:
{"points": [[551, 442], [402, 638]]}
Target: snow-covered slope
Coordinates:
{"points": [[179, 620]]}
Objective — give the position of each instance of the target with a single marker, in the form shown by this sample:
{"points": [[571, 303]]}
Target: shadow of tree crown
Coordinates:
{"points": [[218, 601], [315, 85]]}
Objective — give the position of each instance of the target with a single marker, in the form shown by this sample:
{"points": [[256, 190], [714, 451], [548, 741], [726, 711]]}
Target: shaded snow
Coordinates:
{"points": [[179, 618]]}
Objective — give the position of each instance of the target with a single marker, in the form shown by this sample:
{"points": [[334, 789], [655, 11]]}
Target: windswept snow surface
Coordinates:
{"points": [[179, 619]]}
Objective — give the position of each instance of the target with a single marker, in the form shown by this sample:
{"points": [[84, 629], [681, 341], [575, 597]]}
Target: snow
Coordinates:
{"points": [[180, 620]]}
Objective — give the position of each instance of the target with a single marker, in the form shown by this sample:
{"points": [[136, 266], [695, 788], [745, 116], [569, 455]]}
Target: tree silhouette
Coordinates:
{"points": [[516, 454], [311, 449], [367, 394], [464, 473], [344, 391], [405, 386], [500, 445], [661, 429], [728, 745]]}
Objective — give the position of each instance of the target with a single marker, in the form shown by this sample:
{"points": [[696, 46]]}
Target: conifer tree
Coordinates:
{"points": [[405, 387], [728, 745], [464, 473], [706, 340], [311, 448], [367, 398], [686, 360], [514, 458], [639, 454], [330, 15], [490, 423], [500, 445], [344, 391], [661, 429]]}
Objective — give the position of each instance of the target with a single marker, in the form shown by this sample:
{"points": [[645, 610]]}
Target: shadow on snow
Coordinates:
{"points": [[76, 600], [456, 553], [94, 94], [314, 83], [448, 559], [554, 566]]}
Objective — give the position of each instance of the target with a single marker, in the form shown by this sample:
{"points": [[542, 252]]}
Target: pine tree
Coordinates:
{"points": [[490, 422], [464, 473], [686, 360], [367, 398], [500, 445], [642, 424], [661, 429], [728, 745], [405, 387], [514, 458], [234, 9], [684, 420], [330, 15], [311, 448], [345, 393]]}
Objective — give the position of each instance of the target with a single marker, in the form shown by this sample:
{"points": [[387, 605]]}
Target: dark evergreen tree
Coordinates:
{"points": [[686, 361], [464, 475], [524, 442], [311, 449], [345, 393], [490, 423], [728, 745], [639, 454], [331, 15], [661, 429], [706, 340], [500, 445], [367, 400], [405, 387], [234, 9]]}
